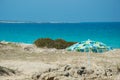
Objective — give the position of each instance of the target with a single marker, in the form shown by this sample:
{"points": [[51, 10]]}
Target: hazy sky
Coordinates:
{"points": [[60, 10]]}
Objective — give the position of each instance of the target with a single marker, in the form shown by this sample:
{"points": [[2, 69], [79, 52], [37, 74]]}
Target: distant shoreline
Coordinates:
{"points": [[51, 22], [8, 42]]}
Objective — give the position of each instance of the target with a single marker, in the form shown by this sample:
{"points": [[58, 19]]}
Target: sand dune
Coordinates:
{"points": [[32, 63]]}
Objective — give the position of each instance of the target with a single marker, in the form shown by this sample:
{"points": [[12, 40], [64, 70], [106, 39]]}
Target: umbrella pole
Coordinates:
{"points": [[88, 58]]}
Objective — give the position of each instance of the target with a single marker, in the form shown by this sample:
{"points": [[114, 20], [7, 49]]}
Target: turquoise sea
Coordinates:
{"points": [[106, 32]]}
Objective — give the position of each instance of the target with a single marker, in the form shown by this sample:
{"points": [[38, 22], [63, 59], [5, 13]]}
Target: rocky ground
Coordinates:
{"points": [[27, 62]]}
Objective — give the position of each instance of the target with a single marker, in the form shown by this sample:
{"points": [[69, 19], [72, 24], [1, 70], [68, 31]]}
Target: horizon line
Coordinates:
{"points": [[18, 21]]}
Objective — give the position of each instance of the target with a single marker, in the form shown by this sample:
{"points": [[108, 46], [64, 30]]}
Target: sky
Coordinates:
{"points": [[60, 10]]}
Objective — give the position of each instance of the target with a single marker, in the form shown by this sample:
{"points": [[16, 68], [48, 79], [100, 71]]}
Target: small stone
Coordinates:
{"points": [[108, 72], [83, 68], [67, 67], [66, 74], [81, 71], [36, 76]]}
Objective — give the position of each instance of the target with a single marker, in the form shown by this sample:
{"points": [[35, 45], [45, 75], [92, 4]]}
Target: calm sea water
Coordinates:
{"points": [[108, 33]]}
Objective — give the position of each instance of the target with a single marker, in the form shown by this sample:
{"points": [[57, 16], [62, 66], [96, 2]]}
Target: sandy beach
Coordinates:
{"points": [[32, 63]]}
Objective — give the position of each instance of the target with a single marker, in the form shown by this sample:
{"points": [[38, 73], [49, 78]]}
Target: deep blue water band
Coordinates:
{"points": [[108, 33]]}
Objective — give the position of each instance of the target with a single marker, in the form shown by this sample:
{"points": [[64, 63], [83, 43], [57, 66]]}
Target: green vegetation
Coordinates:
{"points": [[49, 43]]}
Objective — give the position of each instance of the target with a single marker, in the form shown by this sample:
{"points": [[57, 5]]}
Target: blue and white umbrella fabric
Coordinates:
{"points": [[89, 46]]}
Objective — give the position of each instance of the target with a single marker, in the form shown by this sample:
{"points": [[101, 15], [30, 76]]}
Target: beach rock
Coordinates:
{"points": [[66, 72], [81, 71], [67, 67], [6, 71], [30, 49], [108, 72], [51, 70], [49, 76], [70, 72], [36, 76]]}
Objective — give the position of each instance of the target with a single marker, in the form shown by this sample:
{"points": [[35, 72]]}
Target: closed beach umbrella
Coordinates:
{"points": [[89, 46]]}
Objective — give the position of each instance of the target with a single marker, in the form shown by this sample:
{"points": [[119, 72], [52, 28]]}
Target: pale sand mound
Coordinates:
{"points": [[26, 68], [39, 63]]}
